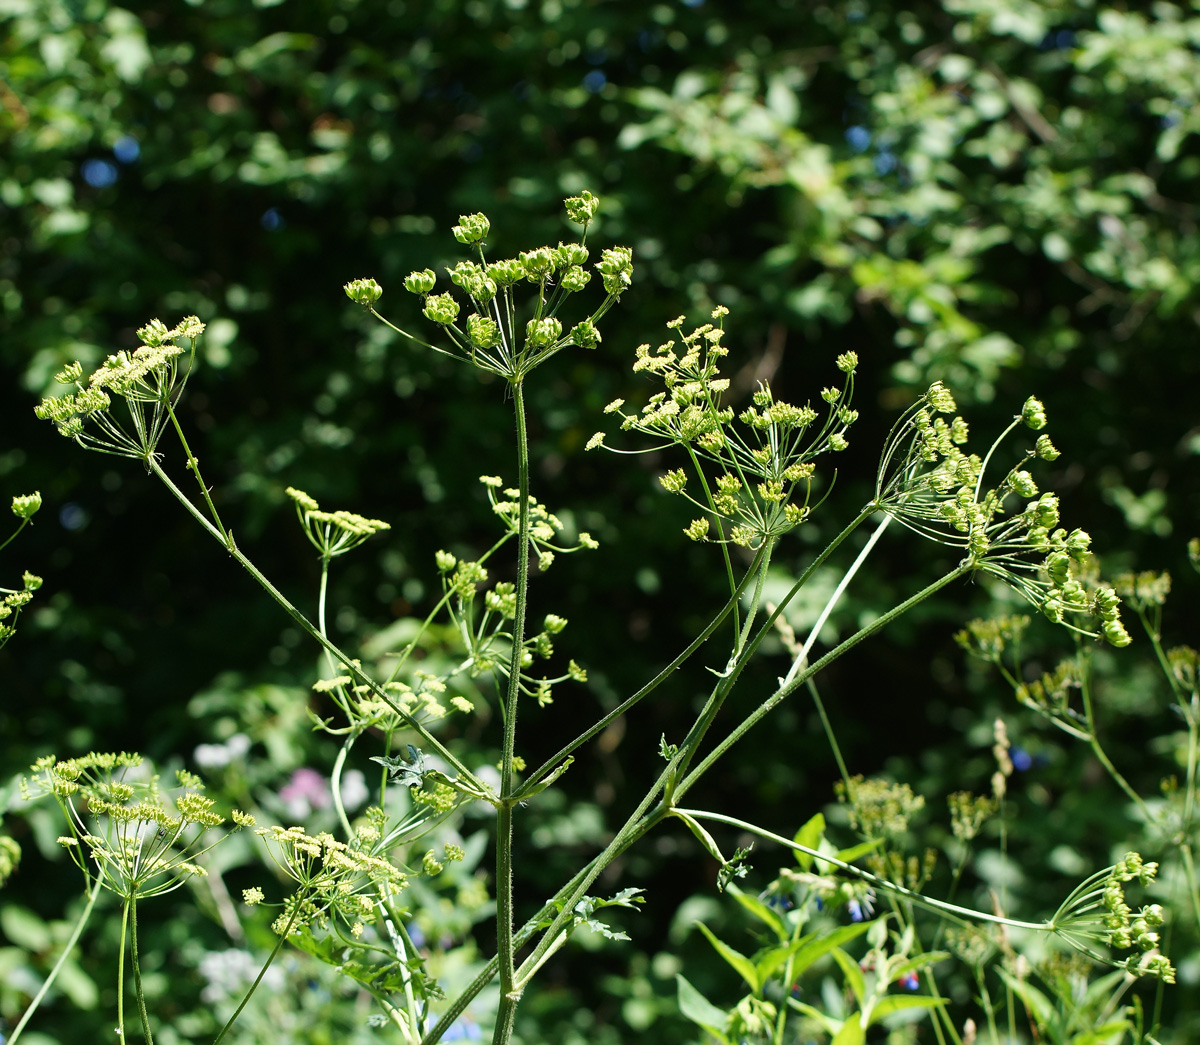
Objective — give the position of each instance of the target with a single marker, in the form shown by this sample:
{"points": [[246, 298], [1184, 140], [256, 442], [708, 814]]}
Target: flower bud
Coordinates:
{"points": [[847, 361], [482, 331], [507, 272], [420, 282], [1045, 449], [1078, 543], [581, 209], [25, 506], [537, 264], [31, 581], [1116, 634], [473, 229], [575, 279], [585, 334], [1033, 413], [441, 308], [542, 332], [69, 374], [364, 291], [568, 254], [940, 398], [616, 267], [154, 333]]}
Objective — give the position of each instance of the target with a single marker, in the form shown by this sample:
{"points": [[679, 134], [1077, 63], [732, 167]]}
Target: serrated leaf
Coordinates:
{"points": [[407, 772], [743, 965], [700, 1010]]}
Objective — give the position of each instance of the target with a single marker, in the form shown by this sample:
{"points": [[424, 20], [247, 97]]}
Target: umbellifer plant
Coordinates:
{"points": [[751, 472]]}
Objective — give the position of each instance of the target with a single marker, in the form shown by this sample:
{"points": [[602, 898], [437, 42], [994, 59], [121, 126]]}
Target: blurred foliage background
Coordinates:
{"points": [[997, 193]]}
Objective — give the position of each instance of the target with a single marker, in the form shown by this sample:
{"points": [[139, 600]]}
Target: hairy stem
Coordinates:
{"points": [[509, 994]]}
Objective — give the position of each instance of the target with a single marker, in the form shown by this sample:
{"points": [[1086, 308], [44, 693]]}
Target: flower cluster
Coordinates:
{"points": [[490, 336], [24, 507], [544, 525], [141, 841], [332, 533], [763, 456], [487, 634], [335, 880], [150, 380], [928, 482], [1098, 911]]}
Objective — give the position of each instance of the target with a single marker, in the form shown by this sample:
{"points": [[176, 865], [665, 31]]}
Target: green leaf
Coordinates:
{"points": [[550, 778], [816, 945], [744, 966], [898, 1002], [852, 1032], [809, 835], [831, 1025], [759, 910], [854, 975], [1040, 1007], [407, 772], [700, 1010]]}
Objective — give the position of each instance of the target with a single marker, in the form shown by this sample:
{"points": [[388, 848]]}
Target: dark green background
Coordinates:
{"points": [[998, 195]]}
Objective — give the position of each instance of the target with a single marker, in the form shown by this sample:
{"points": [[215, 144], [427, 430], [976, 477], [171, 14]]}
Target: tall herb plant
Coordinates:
{"points": [[753, 473]]}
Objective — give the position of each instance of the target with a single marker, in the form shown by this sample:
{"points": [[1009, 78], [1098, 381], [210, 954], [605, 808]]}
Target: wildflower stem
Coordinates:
{"points": [[729, 607], [509, 994], [194, 467], [788, 687], [1085, 689], [261, 973], [875, 881], [12, 537], [315, 633], [137, 968], [80, 923]]}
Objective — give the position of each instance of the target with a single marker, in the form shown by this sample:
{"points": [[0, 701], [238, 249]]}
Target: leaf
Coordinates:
{"points": [[826, 1021], [1039, 1006], [898, 1002], [405, 772], [700, 1010], [550, 778], [759, 910], [735, 867], [702, 834], [744, 966], [809, 835], [810, 948], [852, 1032], [854, 975]]}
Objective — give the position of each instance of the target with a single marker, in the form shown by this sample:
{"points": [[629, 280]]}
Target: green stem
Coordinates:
{"points": [[336, 782], [13, 536], [137, 970], [879, 883], [811, 685], [315, 633], [80, 923], [557, 759], [1094, 742], [121, 975], [788, 687], [509, 993], [261, 973], [194, 467]]}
